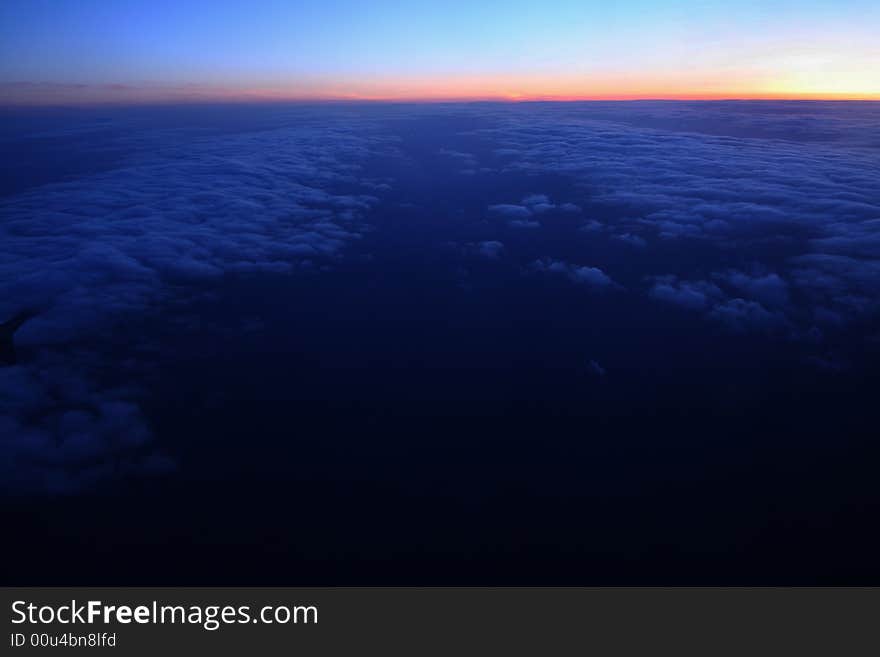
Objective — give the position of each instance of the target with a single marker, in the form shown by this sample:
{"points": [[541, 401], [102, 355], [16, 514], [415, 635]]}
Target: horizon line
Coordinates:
{"points": [[415, 100], [33, 93]]}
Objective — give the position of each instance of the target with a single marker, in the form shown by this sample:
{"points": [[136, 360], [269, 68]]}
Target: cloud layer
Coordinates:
{"points": [[92, 251], [757, 218], [788, 192]]}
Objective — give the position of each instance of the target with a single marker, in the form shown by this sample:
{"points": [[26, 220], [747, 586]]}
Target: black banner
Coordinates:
{"points": [[412, 621]]}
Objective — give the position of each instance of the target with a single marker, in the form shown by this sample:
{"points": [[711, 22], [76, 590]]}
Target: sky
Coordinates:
{"points": [[94, 51]]}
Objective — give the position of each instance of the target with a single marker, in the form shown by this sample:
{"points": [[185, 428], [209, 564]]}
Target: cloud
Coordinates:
{"points": [[740, 316], [630, 240], [61, 431], [523, 223], [767, 213], [537, 199], [591, 226], [695, 295], [769, 289], [468, 162], [582, 275], [796, 186], [98, 249], [510, 210], [539, 203], [491, 249], [735, 313]]}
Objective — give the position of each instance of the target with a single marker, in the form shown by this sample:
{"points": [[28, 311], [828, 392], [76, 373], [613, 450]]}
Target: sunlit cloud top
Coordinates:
{"points": [[137, 51]]}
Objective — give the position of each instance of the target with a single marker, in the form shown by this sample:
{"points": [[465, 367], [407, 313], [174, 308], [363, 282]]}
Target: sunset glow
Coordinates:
{"points": [[71, 53]]}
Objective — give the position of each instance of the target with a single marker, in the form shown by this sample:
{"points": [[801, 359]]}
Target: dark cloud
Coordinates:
{"points": [[582, 275], [467, 162], [511, 210], [520, 214], [591, 226], [537, 199], [695, 295], [630, 240], [735, 313], [741, 315], [491, 249], [60, 430], [523, 223], [94, 250], [768, 289], [797, 184], [539, 203], [756, 217]]}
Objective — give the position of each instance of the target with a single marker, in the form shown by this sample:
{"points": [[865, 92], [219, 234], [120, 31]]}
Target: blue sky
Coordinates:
{"points": [[345, 48]]}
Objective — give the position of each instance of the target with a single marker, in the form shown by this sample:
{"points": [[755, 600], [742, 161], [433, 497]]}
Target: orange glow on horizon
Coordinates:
{"points": [[731, 85]]}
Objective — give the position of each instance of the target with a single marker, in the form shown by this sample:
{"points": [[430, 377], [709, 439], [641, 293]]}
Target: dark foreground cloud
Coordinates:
{"points": [[92, 251], [759, 218]]}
